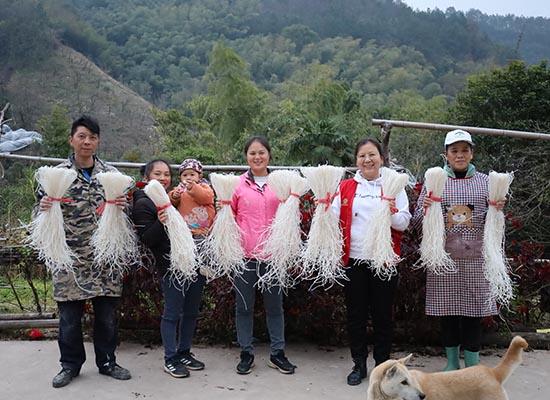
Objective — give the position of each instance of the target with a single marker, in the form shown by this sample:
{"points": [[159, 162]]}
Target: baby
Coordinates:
{"points": [[194, 198]]}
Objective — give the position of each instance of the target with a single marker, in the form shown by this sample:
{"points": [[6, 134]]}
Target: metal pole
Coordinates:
{"points": [[131, 165], [24, 316], [471, 129], [29, 323]]}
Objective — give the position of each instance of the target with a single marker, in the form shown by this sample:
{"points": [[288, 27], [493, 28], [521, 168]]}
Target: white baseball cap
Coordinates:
{"points": [[458, 135]]}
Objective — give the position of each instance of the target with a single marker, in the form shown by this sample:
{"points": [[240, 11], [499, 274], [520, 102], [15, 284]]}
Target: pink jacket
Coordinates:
{"points": [[254, 209]]}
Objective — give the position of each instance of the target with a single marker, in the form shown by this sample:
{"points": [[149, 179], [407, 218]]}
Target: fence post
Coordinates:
{"points": [[385, 131]]}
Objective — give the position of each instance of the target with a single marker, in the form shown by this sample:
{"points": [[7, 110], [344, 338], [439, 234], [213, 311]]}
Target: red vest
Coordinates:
{"points": [[348, 188]]}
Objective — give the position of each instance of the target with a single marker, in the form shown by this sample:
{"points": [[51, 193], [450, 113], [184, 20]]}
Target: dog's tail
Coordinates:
{"points": [[511, 359]]}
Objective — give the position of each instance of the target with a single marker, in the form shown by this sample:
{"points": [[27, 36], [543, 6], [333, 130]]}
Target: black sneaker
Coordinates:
{"points": [[245, 365], [188, 359], [175, 368], [358, 373], [115, 371], [280, 362], [63, 378]]}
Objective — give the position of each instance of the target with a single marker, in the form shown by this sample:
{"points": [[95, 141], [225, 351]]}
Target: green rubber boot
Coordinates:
{"points": [[471, 358], [452, 358]]}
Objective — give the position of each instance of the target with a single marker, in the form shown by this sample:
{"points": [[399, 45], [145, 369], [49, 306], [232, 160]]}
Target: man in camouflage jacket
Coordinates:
{"points": [[101, 285]]}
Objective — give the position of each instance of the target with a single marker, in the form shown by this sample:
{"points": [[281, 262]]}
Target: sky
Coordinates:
{"points": [[527, 8]]}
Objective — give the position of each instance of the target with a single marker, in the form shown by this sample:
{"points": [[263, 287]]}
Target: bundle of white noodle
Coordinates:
{"points": [[322, 255], [377, 243], [47, 230], [183, 253], [432, 248], [222, 250], [283, 243], [114, 241], [496, 267]]}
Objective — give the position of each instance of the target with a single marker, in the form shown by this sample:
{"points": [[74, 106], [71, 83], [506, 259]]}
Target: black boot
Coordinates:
{"points": [[358, 373]]}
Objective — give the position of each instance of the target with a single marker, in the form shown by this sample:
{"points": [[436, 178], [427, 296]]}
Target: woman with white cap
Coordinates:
{"points": [[462, 298]]}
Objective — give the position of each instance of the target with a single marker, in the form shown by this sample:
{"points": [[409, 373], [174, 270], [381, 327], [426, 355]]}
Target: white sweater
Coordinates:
{"points": [[367, 200]]}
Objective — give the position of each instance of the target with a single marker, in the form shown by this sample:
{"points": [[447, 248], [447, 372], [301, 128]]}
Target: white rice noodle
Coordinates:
{"points": [[114, 241], [183, 253], [222, 250], [283, 244], [432, 248], [377, 243], [322, 255], [47, 232], [496, 266]]}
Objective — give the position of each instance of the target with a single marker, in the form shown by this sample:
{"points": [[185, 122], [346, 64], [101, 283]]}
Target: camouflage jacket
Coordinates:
{"points": [[80, 218]]}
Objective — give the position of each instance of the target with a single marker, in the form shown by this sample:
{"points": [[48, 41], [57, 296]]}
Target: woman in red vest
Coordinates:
{"points": [[359, 198]]}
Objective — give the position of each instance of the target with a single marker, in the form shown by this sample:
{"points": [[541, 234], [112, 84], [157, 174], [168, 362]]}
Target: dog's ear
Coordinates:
{"points": [[390, 372], [405, 360]]}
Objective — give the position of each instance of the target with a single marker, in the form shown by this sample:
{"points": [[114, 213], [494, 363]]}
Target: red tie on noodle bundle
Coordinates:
{"points": [[393, 210], [433, 198], [163, 207], [327, 200]]}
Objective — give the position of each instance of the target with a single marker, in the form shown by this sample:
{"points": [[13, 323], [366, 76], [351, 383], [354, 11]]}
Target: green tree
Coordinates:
{"points": [[514, 97], [184, 137], [321, 126], [55, 129], [300, 35], [415, 149], [235, 103]]}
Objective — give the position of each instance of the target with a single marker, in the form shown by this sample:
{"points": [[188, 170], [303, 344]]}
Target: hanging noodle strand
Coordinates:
{"points": [[377, 243], [322, 255], [183, 253], [47, 232], [283, 244], [114, 241], [222, 250], [432, 248], [496, 266]]}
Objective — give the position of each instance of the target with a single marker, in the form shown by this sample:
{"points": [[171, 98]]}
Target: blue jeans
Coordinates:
{"points": [[70, 341], [245, 294], [179, 319]]}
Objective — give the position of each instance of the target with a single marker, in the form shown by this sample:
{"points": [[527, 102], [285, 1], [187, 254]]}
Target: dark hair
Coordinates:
{"points": [[373, 141], [260, 139], [146, 169], [87, 122]]}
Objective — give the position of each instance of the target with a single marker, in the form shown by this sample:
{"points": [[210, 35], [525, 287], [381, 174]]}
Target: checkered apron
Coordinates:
{"points": [[466, 291]]}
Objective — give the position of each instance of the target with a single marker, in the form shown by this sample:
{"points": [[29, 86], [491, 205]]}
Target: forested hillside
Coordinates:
{"points": [[302, 71], [160, 47], [42, 78], [527, 36]]}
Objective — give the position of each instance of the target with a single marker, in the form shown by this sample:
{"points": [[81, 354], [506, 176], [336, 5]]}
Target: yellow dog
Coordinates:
{"points": [[392, 380]]}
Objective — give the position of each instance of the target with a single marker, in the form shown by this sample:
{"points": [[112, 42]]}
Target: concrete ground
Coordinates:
{"points": [[27, 368]]}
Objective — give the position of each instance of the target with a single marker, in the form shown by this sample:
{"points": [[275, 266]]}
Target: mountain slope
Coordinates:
{"points": [[70, 79]]}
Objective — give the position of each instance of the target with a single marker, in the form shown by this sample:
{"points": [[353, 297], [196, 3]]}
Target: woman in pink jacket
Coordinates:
{"points": [[254, 205]]}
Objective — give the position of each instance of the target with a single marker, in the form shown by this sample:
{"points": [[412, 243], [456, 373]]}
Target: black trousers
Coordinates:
{"points": [[366, 294], [459, 330], [70, 341]]}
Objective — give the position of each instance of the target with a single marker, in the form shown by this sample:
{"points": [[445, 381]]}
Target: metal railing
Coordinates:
{"points": [[133, 165], [390, 123], [385, 124]]}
